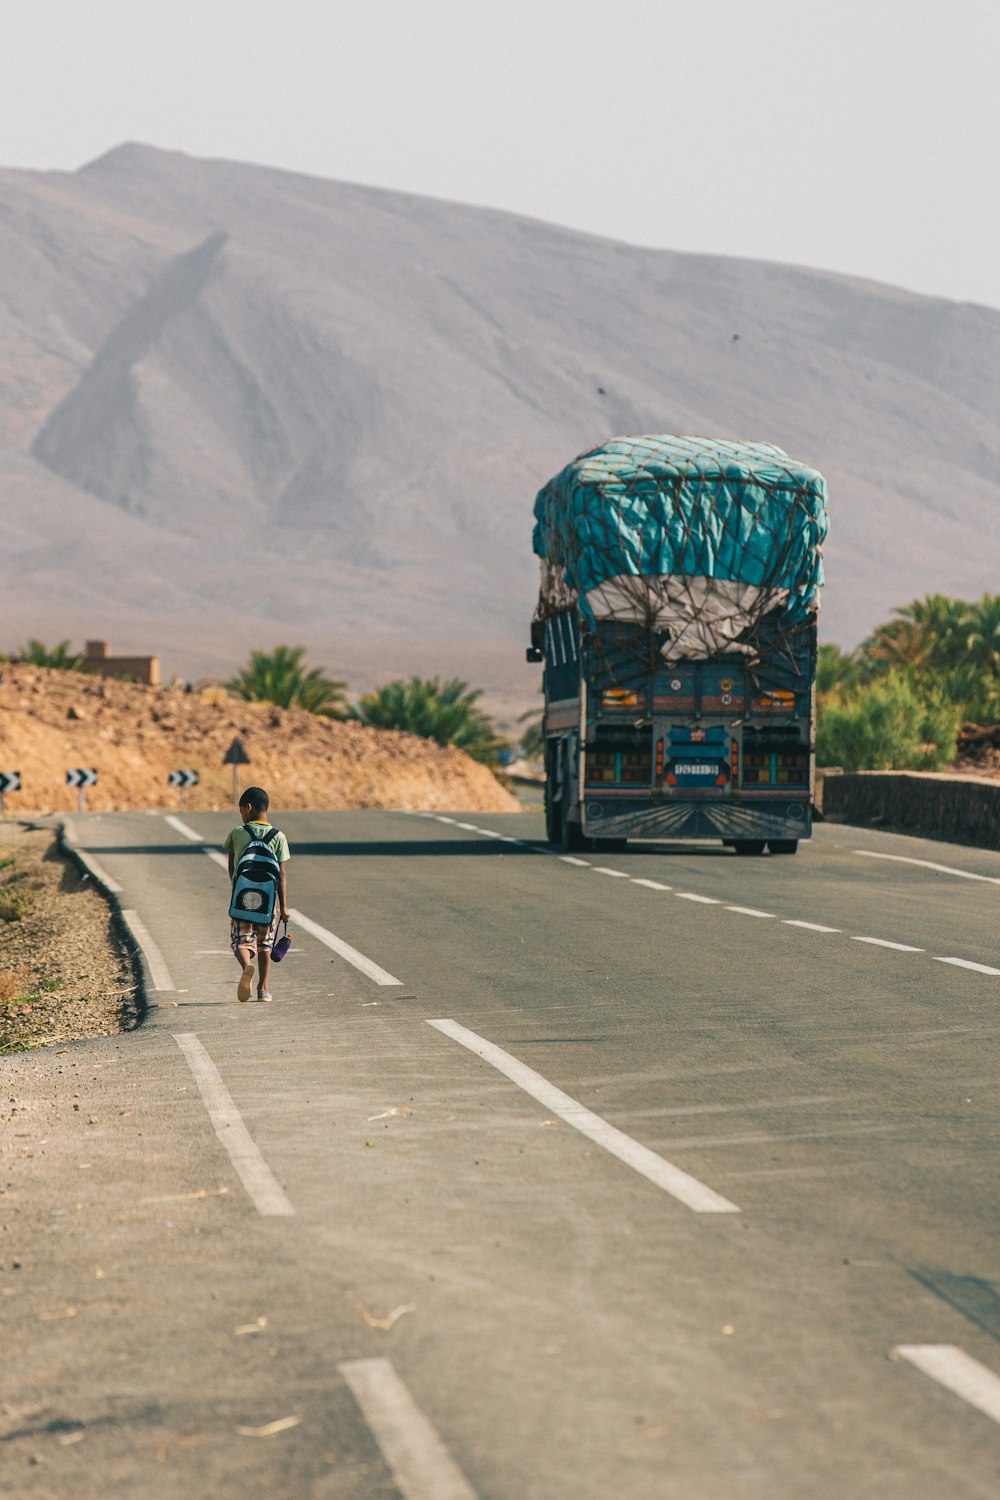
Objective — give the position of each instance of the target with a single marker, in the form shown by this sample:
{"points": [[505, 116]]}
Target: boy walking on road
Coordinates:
{"points": [[246, 937]]}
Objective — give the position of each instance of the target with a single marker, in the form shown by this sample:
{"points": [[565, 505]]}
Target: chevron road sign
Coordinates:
{"points": [[10, 781], [183, 779], [80, 778]]}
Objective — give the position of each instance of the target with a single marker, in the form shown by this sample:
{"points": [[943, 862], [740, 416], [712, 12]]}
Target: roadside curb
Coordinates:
{"points": [[123, 932]]}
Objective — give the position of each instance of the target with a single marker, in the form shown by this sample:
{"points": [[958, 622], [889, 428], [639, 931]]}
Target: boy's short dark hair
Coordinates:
{"points": [[255, 798]]}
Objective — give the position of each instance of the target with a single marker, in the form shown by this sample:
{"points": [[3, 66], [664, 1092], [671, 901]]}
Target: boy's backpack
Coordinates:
{"points": [[255, 880]]}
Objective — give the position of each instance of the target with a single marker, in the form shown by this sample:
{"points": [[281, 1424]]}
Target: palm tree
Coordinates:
{"points": [[58, 657], [835, 668], [445, 712], [982, 633], [280, 676]]}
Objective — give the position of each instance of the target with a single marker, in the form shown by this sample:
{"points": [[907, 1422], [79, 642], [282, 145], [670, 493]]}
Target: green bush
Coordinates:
{"points": [[445, 712], [887, 725], [15, 902]]}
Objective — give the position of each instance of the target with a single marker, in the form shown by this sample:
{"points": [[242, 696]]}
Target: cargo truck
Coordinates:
{"points": [[677, 626]]}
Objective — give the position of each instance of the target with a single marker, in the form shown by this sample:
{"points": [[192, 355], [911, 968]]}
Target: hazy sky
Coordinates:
{"points": [[854, 135]]}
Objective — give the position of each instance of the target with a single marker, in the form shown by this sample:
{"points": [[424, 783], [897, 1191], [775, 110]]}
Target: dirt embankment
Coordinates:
{"points": [[62, 971], [134, 736]]}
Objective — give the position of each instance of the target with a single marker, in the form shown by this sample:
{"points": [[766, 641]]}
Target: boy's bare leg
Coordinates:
{"points": [[244, 957], [264, 958]]}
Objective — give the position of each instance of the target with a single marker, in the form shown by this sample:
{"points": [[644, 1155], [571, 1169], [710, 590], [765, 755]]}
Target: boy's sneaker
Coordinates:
{"points": [[263, 994], [245, 984]]}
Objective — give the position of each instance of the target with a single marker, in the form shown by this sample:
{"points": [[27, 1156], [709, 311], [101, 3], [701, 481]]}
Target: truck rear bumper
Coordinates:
{"points": [[704, 819]]}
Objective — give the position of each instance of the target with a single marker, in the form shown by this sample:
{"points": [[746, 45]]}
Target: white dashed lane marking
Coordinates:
{"points": [[884, 943], [966, 963], [420, 1463], [808, 926], [958, 1372], [680, 1185], [250, 1166], [745, 911]]}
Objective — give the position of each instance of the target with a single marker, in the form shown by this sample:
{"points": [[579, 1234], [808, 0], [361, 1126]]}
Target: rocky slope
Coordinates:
{"points": [[240, 406], [135, 736]]}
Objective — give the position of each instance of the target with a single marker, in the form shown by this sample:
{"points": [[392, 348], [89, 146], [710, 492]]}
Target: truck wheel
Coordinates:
{"points": [[748, 846], [553, 817], [783, 846], [571, 835]]}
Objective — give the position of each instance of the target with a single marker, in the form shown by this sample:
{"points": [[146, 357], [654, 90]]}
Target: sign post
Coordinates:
{"points": [[81, 778], [236, 756], [183, 779], [10, 781]]}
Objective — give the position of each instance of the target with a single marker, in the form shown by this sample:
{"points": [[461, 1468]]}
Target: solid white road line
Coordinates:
{"points": [[183, 829], [420, 1463], [366, 965], [958, 1372], [809, 926], [651, 885], [927, 864], [702, 900], [214, 854], [98, 871], [157, 964], [251, 1168], [617, 874], [687, 1190], [966, 963], [750, 911], [884, 943]]}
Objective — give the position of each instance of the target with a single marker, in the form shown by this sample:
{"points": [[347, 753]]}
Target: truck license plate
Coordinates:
{"points": [[694, 768]]}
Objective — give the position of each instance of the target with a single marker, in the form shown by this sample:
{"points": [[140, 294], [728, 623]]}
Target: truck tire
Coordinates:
{"points": [[783, 846], [553, 804], [571, 835], [748, 846]]}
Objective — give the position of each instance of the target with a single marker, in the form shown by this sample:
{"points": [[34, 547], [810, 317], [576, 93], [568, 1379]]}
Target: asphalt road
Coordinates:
{"points": [[690, 1194]]}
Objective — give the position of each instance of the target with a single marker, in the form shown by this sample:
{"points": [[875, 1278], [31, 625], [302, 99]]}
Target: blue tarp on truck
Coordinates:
{"points": [[663, 506]]}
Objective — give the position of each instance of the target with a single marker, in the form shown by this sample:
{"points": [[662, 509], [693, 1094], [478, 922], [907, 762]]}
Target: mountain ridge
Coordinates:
{"points": [[366, 388]]}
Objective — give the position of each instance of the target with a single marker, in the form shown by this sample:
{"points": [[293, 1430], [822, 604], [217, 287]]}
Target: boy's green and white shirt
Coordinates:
{"points": [[238, 838]]}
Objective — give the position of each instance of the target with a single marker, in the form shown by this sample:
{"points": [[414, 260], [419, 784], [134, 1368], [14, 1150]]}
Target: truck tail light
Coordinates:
{"points": [[659, 760], [735, 760]]}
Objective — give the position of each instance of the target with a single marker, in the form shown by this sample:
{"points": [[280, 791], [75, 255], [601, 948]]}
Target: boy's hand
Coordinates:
{"points": [[286, 915]]}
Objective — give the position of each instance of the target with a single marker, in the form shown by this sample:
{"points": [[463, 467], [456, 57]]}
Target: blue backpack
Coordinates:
{"points": [[255, 880]]}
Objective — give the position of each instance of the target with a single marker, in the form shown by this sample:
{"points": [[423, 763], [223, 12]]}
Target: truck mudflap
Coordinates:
{"points": [[704, 819]]}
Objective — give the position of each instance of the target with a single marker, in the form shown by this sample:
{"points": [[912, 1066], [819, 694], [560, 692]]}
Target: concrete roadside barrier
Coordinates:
{"points": [[962, 808]]}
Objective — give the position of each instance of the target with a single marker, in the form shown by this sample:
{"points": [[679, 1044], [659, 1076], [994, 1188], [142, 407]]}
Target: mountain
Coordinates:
{"points": [[241, 406]]}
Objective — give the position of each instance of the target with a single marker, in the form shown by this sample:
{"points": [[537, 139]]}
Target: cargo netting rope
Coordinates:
{"points": [[679, 547]]}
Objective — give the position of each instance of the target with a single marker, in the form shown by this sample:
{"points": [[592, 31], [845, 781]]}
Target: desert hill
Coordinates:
{"points": [[242, 406], [135, 736]]}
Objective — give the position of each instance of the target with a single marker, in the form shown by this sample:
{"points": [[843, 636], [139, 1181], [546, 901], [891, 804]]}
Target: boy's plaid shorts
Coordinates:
{"points": [[254, 934]]}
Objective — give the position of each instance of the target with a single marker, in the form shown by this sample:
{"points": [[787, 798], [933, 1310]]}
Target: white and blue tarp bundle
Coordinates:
{"points": [[693, 537]]}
